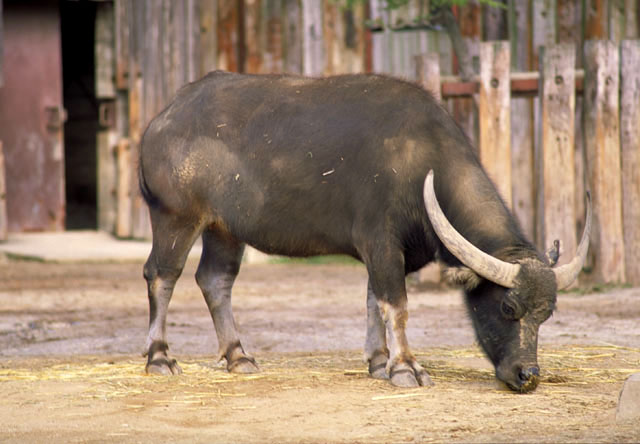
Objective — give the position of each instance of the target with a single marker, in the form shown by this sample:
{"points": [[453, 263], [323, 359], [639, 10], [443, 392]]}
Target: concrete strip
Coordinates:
{"points": [[629, 402], [78, 246]]}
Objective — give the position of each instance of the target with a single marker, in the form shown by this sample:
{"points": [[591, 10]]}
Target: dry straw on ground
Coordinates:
{"points": [[202, 381]]}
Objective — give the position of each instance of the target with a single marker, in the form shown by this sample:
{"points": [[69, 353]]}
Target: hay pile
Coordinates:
{"points": [[203, 383]]}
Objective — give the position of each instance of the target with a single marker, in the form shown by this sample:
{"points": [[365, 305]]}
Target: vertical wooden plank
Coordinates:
{"points": [[465, 109], [569, 22], [568, 25], [544, 24], [122, 16], [208, 13], [192, 41], [344, 38], [1, 47], [313, 56], [495, 21], [630, 146], [556, 188], [106, 180], [105, 88], [124, 198], [380, 38], [253, 35], [137, 112], [523, 186], [602, 143], [596, 17], [543, 33], [292, 47], [330, 34], [104, 51], [273, 58], [4, 225], [616, 20], [164, 80], [176, 60], [632, 19], [495, 115], [228, 35], [428, 73]]}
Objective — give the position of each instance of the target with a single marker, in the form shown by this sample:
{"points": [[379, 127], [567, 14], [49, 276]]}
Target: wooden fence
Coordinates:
{"points": [[545, 135], [611, 159]]}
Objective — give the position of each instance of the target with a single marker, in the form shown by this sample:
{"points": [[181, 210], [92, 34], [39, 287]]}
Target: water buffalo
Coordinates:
{"points": [[299, 167]]}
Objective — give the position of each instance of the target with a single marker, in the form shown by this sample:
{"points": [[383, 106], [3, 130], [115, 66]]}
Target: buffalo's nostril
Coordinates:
{"points": [[526, 374]]}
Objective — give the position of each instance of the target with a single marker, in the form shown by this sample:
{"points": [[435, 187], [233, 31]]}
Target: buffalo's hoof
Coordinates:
{"points": [[243, 365], [378, 366], [163, 366], [158, 362], [409, 374]]}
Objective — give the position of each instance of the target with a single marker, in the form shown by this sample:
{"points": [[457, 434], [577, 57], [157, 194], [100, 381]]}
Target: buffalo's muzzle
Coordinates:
{"points": [[527, 380]]}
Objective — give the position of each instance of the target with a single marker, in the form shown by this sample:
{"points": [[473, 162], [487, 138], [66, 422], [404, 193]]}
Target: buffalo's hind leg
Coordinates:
{"points": [[172, 240], [219, 266]]}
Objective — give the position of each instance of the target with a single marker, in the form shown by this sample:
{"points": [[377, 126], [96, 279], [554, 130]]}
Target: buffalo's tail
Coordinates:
{"points": [[151, 199]]}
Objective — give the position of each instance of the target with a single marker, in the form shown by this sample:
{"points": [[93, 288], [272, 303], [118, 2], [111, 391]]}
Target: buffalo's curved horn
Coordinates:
{"points": [[487, 266], [568, 273]]}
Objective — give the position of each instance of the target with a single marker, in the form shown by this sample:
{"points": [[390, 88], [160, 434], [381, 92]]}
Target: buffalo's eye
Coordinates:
{"points": [[508, 310], [510, 307]]}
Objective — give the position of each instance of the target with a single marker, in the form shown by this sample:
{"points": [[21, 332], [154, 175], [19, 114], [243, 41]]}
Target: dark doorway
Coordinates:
{"points": [[80, 130]]}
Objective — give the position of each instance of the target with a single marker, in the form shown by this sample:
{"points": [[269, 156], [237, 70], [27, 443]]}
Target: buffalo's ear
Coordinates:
{"points": [[464, 276], [553, 254]]}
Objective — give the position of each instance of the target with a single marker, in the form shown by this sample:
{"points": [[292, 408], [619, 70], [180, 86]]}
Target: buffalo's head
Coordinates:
{"points": [[515, 297]]}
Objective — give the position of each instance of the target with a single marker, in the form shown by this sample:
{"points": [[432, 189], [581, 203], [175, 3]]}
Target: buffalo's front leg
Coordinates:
{"points": [[217, 271], [387, 281], [172, 240], [375, 349]]}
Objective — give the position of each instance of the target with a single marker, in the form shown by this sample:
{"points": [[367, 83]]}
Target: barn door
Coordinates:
{"points": [[32, 116]]}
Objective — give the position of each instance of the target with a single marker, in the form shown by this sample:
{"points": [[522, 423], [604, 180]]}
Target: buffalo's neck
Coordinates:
{"points": [[479, 214]]}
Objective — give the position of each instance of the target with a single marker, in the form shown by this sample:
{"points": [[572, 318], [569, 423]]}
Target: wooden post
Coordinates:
{"points": [[122, 17], [630, 146], [344, 38], [602, 146], [106, 179], [105, 41], [522, 137], [208, 13], [632, 19], [123, 222], [595, 13], [253, 36], [105, 86], [464, 109], [313, 56], [228, 16], [292, 37], [3, 199], [428, 73], [556, 175], [494, 115]]}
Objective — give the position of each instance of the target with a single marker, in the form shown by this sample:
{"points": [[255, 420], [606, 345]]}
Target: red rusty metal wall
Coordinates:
{"points": [[32, 116]]}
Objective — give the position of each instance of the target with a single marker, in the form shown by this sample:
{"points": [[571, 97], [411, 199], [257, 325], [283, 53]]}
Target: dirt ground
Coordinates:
{"points": [[71, 370]]}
